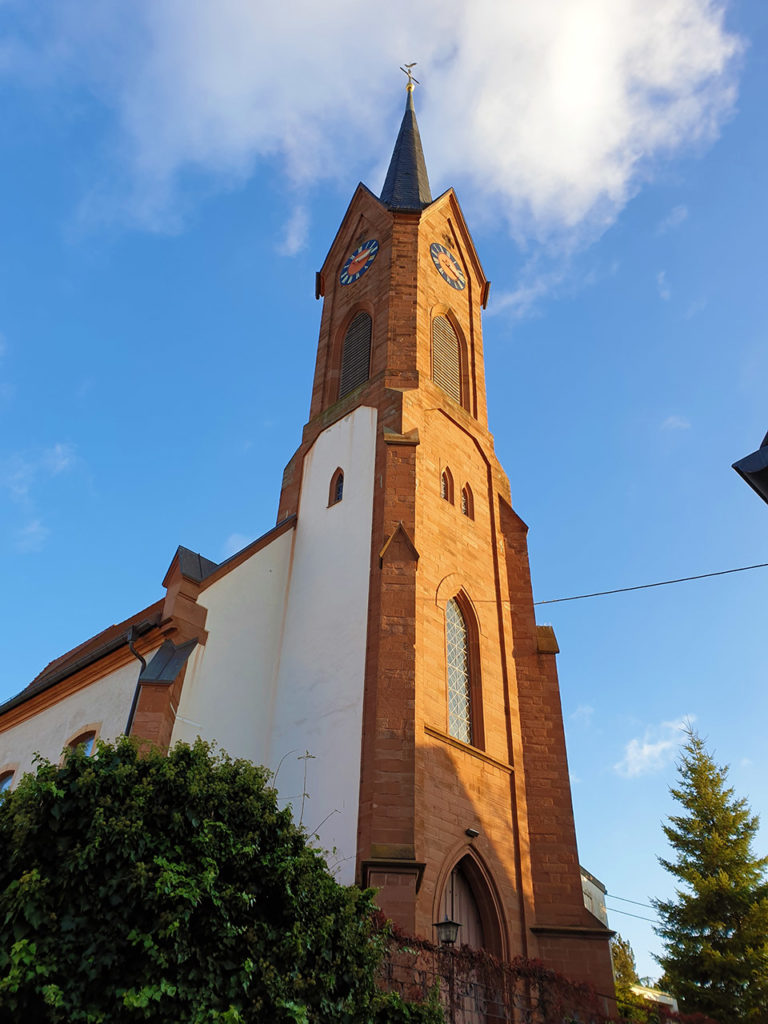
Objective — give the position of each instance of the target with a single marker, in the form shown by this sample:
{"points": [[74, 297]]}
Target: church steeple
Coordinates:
{"points": [[406, 186]]}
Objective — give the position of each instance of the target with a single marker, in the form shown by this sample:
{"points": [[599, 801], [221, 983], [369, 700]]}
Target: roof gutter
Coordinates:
{"points": [[131, 636], [75, 666]]}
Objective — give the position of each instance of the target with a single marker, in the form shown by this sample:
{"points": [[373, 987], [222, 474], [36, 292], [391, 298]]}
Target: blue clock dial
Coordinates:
{"points": [[359, 261], [447, 266]]}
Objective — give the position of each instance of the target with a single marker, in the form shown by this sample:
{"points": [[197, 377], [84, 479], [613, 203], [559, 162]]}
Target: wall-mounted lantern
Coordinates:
{"points": [[447, 931]]}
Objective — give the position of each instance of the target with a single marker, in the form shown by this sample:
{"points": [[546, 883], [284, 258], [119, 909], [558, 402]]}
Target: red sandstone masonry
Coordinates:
{"points": [[420, 789]]}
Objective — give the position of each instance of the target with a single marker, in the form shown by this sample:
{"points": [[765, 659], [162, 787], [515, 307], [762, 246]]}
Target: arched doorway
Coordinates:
{"points": [[468, 898], [459, 904]]}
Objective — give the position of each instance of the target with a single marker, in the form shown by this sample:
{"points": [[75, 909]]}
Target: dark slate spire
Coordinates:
{"points": [[407, 186]]}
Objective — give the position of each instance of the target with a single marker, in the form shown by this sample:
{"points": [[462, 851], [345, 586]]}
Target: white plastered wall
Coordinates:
{"points": [[105, 702], [319, 706], [282, 672], [229, 686]]}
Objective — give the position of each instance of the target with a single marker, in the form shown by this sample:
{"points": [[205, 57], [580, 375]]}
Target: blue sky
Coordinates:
{"points": [[171, 176]]}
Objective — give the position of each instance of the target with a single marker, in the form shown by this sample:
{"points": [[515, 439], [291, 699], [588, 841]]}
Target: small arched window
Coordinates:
{"points": [[336, 492], [446, 361], [5, 782], [355, 354], [459, 689], [467, 502], [446, 485], [85, 740]]}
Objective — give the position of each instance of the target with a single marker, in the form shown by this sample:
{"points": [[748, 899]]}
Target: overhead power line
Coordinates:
{"points": [[625, 900], [639, 916], [661, 583]]}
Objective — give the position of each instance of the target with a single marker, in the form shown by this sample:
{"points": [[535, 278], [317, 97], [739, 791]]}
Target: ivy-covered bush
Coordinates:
{"points": [[145, 887]]}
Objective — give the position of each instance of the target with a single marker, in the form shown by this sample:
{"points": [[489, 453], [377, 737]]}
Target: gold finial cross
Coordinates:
{"points": [[406, 69]]}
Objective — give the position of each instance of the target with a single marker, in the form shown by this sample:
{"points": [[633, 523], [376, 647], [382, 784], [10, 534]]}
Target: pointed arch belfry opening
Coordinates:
{"points": [[446, 357], [355, 354]]}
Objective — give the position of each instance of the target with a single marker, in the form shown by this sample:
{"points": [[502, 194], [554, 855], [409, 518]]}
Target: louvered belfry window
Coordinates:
{"points": [[356, 354], [459, 697], [446, 365]]}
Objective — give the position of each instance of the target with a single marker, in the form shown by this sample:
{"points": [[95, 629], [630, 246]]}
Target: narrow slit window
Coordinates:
{"points": [[446, 363], [355, 354], [459, 690], [467, 503], [446, 485], [336, 492]]}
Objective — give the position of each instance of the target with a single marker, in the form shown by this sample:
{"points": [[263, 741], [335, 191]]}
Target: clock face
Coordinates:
{"points": [[447, 266], [359, 261]]}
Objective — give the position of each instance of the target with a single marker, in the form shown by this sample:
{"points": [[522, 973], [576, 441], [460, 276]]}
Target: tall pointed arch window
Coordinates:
{"points": [[467, 502], [355, 354], [446, 485], [446, 358], [459, 683]]}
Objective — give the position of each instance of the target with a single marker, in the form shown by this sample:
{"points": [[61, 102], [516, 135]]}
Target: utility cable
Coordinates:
{"points": [[640, 917], [625, 900], [661, 583]]}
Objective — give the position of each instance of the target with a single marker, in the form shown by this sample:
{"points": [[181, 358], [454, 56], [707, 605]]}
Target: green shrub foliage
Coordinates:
{"points": [[174, 889]]}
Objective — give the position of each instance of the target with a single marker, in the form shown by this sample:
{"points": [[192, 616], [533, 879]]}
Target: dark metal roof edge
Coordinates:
{"points": [[752, 463], [239, 556], [72, 667], [592, 878], [177, 657]]}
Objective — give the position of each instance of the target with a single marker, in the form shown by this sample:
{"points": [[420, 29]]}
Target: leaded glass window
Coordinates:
{"points": [[459, 698]]}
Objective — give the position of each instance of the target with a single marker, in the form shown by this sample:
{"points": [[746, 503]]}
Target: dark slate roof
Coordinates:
{"points": [[193, 565], [167, 662], [86, 653], [406, 186]]}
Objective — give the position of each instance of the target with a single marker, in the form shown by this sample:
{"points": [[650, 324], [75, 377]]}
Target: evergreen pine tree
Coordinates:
{"points": [[715, 931], [623, 960]]}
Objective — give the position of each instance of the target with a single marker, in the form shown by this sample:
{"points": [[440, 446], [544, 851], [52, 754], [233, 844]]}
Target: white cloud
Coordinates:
{"points": [[58, 458], [17, 475], [661, 284], [676, 423], [583, 715], [32, 537], [696, 307], [20, 471], [552, 114], [673, 220], [235, 542], [296, 231], [534, 285], [654, 750]]}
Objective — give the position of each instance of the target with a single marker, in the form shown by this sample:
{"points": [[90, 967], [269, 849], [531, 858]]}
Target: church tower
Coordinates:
{"points": [[464, 802], [377, 649]]}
